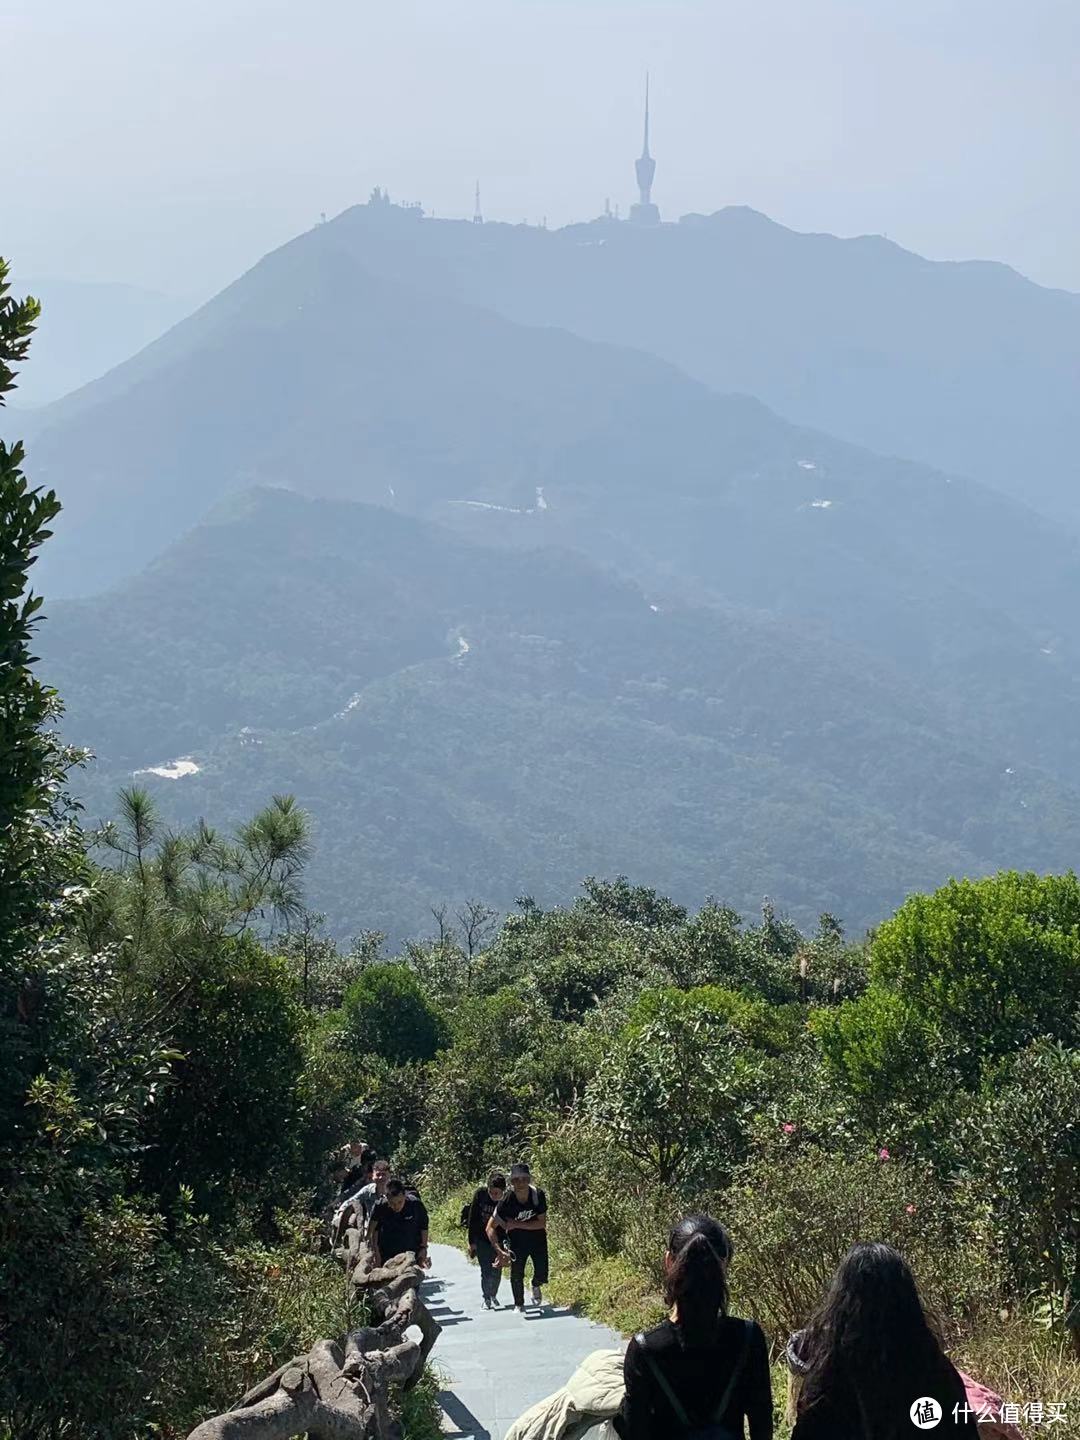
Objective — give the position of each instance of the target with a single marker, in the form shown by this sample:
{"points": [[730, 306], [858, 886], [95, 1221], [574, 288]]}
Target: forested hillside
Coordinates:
{"points": [[310, 374], [968, 367], [463, 721]]}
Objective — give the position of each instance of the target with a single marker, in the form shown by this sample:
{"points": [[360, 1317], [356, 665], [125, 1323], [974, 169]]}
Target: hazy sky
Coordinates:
{"points": [[170, 145]]}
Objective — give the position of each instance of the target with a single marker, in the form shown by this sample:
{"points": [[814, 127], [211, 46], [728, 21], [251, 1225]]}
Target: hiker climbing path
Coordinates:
{"points": [[496, 1363]]}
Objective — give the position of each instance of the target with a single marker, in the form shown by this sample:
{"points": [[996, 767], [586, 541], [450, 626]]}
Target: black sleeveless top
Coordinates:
{"points": [[699, 1375]]}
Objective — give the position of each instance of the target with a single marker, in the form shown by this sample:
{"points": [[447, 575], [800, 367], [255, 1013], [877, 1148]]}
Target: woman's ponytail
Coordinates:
{"points": [[696, 1285]]}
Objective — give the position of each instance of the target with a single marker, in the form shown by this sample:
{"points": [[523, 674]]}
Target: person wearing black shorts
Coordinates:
{"points": [[522, 1215]]}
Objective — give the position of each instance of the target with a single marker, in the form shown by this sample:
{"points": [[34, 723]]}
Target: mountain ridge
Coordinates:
{"points": [[808, 323], [319, 376]]}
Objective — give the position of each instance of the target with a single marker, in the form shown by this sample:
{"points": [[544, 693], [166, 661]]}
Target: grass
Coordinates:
{"points": [[421, 1417], [1024, 1360]]}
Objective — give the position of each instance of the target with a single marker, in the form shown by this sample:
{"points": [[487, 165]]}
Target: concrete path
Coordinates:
{"points": [[496, 1363]]}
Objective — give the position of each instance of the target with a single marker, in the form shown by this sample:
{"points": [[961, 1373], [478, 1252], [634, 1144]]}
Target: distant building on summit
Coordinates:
{"points": [[645, 212], [478, 214], [379, 199]]}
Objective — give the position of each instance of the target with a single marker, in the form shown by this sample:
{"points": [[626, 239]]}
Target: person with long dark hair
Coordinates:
{"points": [[703, 1372], [871, 1362]]}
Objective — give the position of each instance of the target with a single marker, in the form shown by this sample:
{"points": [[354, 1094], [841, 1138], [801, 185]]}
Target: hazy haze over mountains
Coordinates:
{"points": [[356, 361], [966, 366], [727, 552], [85, 329], [211, 133], [780, 663]]}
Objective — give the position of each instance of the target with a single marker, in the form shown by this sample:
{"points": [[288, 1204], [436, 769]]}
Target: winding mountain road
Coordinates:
{"points": [[496, 1363]]}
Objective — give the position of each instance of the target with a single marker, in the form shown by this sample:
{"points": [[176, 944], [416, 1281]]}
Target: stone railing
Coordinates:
{"points": [[343, 1389]]}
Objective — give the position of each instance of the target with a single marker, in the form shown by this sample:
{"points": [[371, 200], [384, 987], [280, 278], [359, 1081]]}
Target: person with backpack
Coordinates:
{"points": [[870, 1363], [702, 1372], [518, 1232], [399, 1222], [480, 1212]]}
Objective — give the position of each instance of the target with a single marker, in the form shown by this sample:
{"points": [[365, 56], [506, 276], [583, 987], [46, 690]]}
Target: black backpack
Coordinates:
{"points": [[712, 1429], [464, 1218]]}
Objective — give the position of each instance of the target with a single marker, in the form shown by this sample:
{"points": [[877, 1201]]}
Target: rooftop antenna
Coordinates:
{"points": [[478, 218]]}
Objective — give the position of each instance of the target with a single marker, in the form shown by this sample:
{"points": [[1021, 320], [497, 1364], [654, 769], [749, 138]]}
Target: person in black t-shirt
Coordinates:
{"points": [[522, 1215], [702, 1367], [480, 1247], [398, 1223]]}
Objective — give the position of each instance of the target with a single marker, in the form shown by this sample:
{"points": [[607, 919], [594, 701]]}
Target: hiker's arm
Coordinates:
{"points": [[493, 1235], [539, 1222], [475, 1228], [422, 1254], [758, 1380], [373, 1242], [636, 1412]]}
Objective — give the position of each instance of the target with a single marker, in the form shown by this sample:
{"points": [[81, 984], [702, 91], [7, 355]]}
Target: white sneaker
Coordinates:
{"points": [[537, 1295]]}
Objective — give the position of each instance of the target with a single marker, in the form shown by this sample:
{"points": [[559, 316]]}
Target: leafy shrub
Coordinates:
{"points": [[959, 979], [391, 1107], [228, 1126], [595, 1192], [1022, 1145], [388, 1016], [796, 1210], [676, 1092]]}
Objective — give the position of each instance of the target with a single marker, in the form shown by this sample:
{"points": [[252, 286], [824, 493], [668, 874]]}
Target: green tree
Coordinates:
{"points": [[182, 912], [323, 972], [509, 1064], [959, 980], [634, 904], [164, 891], [229, 1126], [27, 753], [41, 863], [387, 1015], [682, 1081]]}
